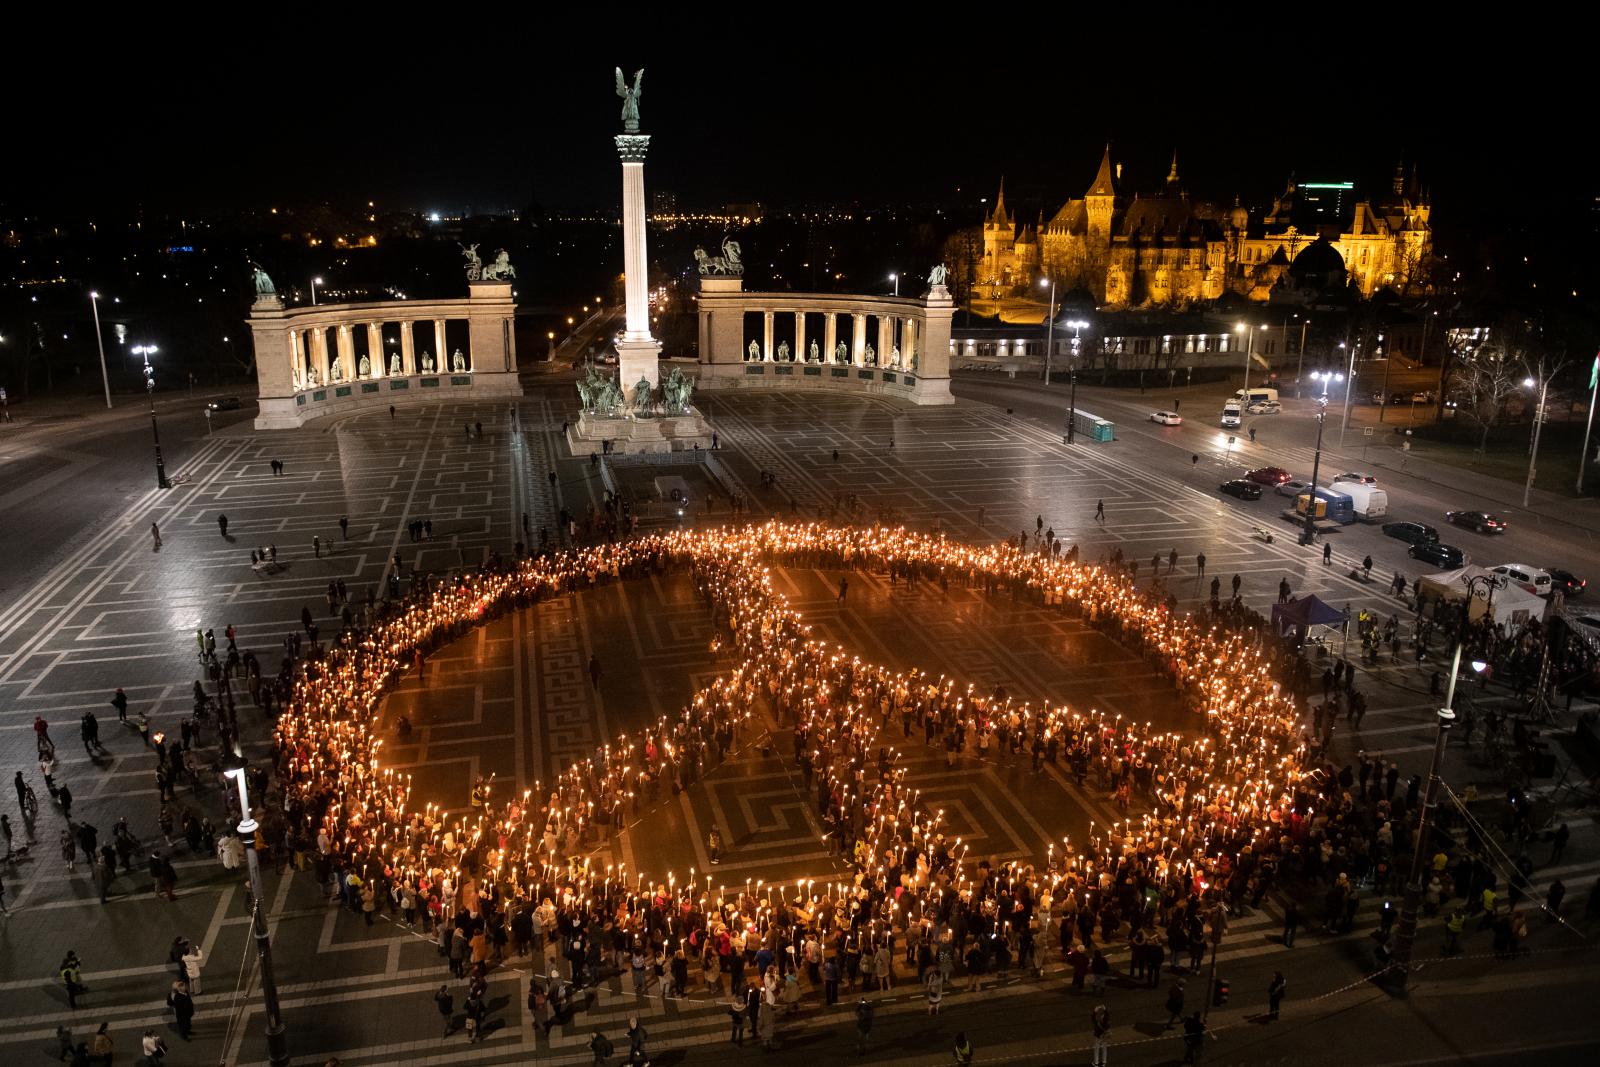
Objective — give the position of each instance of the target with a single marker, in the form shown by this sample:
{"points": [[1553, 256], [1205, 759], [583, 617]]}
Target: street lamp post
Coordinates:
{"points": [[1325, 377], [314, 283], [1072, 402], [100, 343], [1349, 380], [1538, 421], [145, 352], [1050, 329], [1249, 344], [895, 277], [1406, 929], [277, 1043], [1301, 361]]}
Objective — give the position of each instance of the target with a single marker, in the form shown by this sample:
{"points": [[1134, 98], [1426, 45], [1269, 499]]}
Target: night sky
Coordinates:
{"points": [[484, 111]]}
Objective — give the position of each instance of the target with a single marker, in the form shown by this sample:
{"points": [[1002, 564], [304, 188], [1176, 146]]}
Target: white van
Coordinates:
{"points": [[1370, 503], [1232, 416], [1532, 579], [1255, 395]]}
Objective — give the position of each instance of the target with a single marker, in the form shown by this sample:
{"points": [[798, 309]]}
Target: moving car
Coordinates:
{"points": [[1415, 533], [224, 403], [1231, 416], [1532, 579], [1269, 475], [1481, 521], [1294, 487], [1358, 477], [1569, 584], [1242, 489], [1265, 407], [1448, 557], [1166, 418]]}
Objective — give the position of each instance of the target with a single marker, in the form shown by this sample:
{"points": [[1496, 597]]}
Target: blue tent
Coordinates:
{"points": [[1305, 613]]}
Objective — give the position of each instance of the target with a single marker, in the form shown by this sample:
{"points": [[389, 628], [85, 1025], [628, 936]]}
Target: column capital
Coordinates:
{"points": [[632, 146]]}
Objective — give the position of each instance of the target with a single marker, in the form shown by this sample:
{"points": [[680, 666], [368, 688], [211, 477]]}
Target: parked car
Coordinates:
{"points": [[1424, 396], [1359, 477], [1448, 557], [1532, 579], [1415, 533], [1569, 584], [1242, 489], [1294, 487], [1166, 418], [1481, 521], [1269, 475], [224, 403], [1265, 407]]}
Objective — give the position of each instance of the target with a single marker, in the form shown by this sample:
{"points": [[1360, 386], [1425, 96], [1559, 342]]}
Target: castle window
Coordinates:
{"points": [[1141, 346]]}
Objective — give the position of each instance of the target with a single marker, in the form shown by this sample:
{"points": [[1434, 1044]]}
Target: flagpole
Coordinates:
{"points": [[1594, 392]]}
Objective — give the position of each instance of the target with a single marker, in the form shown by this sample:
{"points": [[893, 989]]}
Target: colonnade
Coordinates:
{"points": [[893, 332], [422, 349]]}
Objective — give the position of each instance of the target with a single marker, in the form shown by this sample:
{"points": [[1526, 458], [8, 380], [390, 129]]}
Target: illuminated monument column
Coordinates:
{"points": [[637, 352]]}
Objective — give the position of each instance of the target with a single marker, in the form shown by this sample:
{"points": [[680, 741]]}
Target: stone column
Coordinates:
{"points": [[908, 342], [347, 351], [638, 352], [830, 335], [319, 354], [277, 350], [800, 336], [379, 361], [703, 349], [296, 360], [858, 338], [408, 351], [885, 339], [766, 336], [439, 349]]}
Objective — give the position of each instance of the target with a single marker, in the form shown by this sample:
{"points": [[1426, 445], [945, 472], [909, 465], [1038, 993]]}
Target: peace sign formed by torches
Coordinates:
{"points": [[1215, 793]]}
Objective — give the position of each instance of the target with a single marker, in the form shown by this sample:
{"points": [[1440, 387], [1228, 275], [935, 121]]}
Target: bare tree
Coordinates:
{"points": [[1484, 376]]}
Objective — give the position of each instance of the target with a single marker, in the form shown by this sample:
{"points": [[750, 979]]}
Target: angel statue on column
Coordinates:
{"points": [[630, 100]]}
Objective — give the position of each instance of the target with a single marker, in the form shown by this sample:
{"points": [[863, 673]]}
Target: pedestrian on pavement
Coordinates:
{"points": [[934, 988], [153, 1047], [192, 960], [344, 527], [1327, 553], [1100, 511], [714, 844], [1194, 1038], [102, 1047], [222, 524], [1174, 1003], [1275, 990], [1252, 435], [447, 1008], [1291, 923], [736, 1019], [1559, 843], [863, 1025], [600, 1045], [65, 797], [89, 728], [316, 546], [155, 538], [71, 970], [1237, 581], [69, 850], [182, 1005], [636, 1039], [1366, 568], [963, 1049], [844, 590], [1100, 1023], [594, 671]]}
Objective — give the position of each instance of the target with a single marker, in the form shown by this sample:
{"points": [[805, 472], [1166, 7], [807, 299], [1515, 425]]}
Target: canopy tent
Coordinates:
{"points": [[1510, 602], [1305, 613]]}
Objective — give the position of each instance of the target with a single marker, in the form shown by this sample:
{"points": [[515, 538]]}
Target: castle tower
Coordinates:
{"points": [[1101, 199], [999, 232]]}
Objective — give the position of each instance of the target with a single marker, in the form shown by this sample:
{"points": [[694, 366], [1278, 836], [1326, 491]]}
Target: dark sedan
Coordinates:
{"points": [[1269, 475], [1242, 489], [1414, 533], [1447, 556], [1481, 521], [1567, 583]]}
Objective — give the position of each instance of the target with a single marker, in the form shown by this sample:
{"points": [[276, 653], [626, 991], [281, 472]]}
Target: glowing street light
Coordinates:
{"points": [[277, 1044], [893, 277], [99, 342], [314, 283], [1324, 378], [145, 352], [1072, 402]]}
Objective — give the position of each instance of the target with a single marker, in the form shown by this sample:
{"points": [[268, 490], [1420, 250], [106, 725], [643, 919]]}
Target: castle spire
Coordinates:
{"points": [[1103, 183], [1172, 175], [999, 218]]}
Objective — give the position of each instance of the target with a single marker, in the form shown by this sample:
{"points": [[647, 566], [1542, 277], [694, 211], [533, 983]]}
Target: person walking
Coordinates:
{"points": [[594, 671], [1100, 511], [1275, 990], [844, 590], [191, 967], [636, 1039], [1291, 923], [182, 1005], [1100, 1024], [155, 538], [1327, 554], [962, 1050], [222, 524], [933, 987], [600, 1047], [447, 1008], [71, 971], [736, 1006], [1194, 1038], [863, 1026], [1174, 1003], [119, 700], [344, 527], [714, 844], [1200, 565]]}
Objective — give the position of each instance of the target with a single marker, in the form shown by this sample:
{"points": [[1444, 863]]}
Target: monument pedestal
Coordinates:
{"points": [[632, 435], [635, 360]]}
